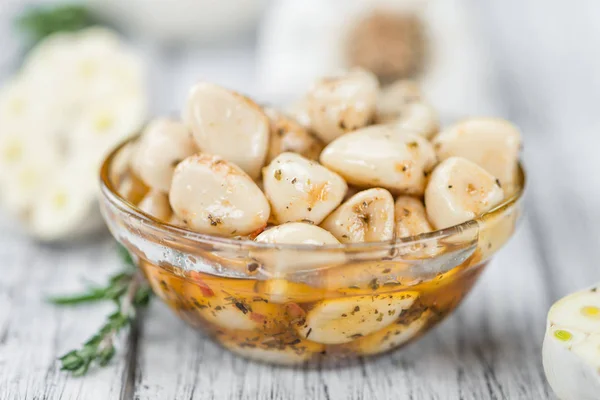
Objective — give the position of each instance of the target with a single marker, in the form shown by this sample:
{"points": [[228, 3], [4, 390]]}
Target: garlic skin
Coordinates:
{"points": [[368, 216], [381, 155], [458, 191], [53, 131], [229, 125], [571, 350], [213, 196], [491, 143], [301, 190]]}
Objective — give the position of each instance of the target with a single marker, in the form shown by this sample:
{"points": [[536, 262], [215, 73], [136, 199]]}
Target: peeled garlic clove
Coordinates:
{"points": [[176, 221], [297, 233], [368, 216], [571, 351], [301, 190], [381, 156], [161, 147], [132, 188], [343, 320], [341, 104], [281, 291], [156, 204], [282, 350], [229, 125], [288, 135], [419, 118], [394, 335], [213, 196], [491, 143], [411, 217], [242, 313], [459, 191], [122, 163], [299, 112], [284, 261], [393, 99]]}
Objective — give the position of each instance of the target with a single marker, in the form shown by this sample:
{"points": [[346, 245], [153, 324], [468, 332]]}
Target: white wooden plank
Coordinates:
{"points": [[33, 333]]}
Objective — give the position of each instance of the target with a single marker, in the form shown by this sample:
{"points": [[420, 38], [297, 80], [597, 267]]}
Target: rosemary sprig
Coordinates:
{"points": [[130, 292]]}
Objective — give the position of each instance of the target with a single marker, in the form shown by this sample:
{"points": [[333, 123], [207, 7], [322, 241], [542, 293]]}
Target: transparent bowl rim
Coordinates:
{"points": [[110, 193]]}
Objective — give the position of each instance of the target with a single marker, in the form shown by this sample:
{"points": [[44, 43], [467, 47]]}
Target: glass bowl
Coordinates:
{"points": [[291, 304]]}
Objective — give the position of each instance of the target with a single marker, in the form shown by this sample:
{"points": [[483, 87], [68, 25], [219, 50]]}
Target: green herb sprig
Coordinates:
{"points": [[41, 21], [130, 292]]}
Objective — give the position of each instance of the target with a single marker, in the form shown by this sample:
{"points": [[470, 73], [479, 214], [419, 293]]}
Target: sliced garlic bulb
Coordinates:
{"points": [[368, 216], [156, 204], [381, 156], [410, 217], [229, 125], [460, 190], [163, 145], [395, 335], [288, 135], [341, 104], [346, 319], [571, 350], [393, 99], [301, 190], [491, 143], [213, 196]]}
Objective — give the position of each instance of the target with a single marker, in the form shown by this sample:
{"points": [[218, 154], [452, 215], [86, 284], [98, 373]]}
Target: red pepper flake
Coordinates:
{"points": [[204, 288], [258, 318], [295, 313]]}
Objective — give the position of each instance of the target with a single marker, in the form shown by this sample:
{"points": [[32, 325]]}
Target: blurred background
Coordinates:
{"points": [[68, 98]]}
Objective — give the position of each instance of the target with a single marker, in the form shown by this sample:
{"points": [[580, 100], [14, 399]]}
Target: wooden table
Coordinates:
{"points": [[546, 79]]}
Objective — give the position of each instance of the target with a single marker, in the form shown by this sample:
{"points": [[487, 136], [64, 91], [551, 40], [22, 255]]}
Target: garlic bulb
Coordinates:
{"points": [[572, 346], [431, 41], [55, 132]]}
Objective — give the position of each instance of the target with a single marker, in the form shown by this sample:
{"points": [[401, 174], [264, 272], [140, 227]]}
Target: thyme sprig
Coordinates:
{"points": [[130, 292]]}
